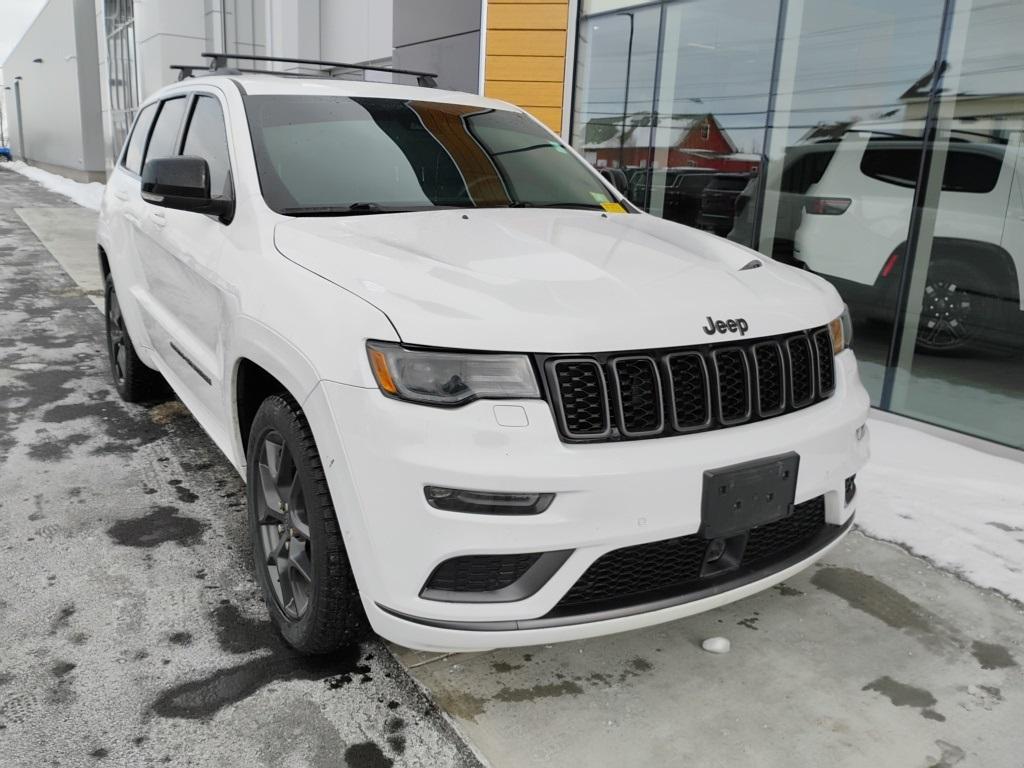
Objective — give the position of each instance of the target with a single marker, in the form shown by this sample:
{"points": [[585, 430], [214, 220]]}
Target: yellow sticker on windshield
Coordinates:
{"points": [[613, 208]]}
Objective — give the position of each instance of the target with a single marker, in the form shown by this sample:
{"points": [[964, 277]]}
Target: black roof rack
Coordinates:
{"points": [[219, 65]]}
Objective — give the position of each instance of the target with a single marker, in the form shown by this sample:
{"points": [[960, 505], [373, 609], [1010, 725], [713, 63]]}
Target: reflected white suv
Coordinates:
{"points": [[856, 217], [478, 398]]}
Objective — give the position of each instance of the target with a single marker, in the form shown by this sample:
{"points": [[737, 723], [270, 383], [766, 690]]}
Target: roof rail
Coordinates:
{"points": [[219, 64]]}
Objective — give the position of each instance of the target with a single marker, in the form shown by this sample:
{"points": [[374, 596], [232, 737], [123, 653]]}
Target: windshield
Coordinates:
{"points": [[333, 154]]}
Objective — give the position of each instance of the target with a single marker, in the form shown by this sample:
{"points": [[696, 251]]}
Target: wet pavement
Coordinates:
{"points": [[132, 632], [131, 628]]}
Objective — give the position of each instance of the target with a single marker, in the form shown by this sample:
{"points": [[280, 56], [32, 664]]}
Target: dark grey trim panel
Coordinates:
{"points": [[527, 585], [829, 534], [191, 365]]}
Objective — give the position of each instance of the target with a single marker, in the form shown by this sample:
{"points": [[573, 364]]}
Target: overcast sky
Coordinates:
{"points": [[14, 20]]}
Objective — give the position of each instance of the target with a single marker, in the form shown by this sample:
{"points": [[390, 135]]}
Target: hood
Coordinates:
{"points": [[555, 281]]}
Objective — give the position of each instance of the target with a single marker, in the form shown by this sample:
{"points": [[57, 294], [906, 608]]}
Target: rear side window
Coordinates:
{"points": [[137, 143], [970, 167], [207, 138], [165, 133]]}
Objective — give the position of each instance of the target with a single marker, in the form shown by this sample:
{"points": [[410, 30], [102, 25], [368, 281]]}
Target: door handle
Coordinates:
{"points": [[122, 196], [159, 219], [132, 219]]}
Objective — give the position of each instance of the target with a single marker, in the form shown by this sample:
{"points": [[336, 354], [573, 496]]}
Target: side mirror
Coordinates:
{"points": [[182, 183]]}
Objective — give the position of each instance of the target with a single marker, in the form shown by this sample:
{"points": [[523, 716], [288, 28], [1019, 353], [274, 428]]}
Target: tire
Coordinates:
{"points": [[134, 380], [960, 307], [300, 558]]}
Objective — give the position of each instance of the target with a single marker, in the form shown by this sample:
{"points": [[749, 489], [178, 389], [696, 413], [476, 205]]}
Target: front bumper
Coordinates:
{"points": [[380, 453]]}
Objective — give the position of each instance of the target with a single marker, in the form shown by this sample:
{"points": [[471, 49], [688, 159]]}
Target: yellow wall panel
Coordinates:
{"points": [[525, 56], [525, 93], [550, 116], [539, 69], [503, 42], [531, 16]]}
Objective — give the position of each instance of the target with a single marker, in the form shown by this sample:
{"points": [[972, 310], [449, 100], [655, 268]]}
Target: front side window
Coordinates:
{"points": [[137, 143], [207, 138], [163, 142], [325, 154]]}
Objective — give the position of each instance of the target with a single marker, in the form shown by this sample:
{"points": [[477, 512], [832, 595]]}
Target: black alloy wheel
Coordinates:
{"points": [[283, 527], [134, 380], [117, 338], [298, 551], [956, 309]]}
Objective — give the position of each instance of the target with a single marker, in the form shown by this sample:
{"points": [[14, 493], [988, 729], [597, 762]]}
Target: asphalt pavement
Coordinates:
{"points": [[131, 628]]}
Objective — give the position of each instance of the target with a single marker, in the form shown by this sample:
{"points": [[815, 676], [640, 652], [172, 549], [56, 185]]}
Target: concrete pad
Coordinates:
{"points": [[872, 658], [69, 234]]}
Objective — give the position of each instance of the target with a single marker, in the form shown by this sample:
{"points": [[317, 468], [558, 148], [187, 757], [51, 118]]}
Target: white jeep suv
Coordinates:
{"points": [[479, 400]]}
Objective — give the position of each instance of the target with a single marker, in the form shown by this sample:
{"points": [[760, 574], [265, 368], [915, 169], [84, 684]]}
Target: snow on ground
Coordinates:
{"points": [[960, 508], [88, 195]]}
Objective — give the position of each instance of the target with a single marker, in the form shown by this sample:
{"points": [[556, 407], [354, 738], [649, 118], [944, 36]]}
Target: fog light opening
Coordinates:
{"points": [[486, 502]]}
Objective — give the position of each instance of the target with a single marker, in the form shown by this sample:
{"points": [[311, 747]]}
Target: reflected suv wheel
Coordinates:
{"points": [[959, 305], [135, 381], [299, 554]]}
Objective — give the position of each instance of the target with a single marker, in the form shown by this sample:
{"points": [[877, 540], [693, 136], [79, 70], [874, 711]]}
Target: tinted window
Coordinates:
{"points": [[892, 160], [969, 167], [137, 143], [329, 151], [207, 138], [165, 132], [973, 169]]}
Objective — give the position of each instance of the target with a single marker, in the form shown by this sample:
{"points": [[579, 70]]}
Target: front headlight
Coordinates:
{"points": [[449, 378], [841, 330]]}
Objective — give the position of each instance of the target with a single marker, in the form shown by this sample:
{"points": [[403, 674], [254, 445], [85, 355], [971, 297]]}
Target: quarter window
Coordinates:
{"points": [[971, 166], [207, 138], [137, 143]]}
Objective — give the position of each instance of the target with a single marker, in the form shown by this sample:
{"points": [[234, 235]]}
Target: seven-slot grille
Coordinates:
{"points": [[668, 392]]}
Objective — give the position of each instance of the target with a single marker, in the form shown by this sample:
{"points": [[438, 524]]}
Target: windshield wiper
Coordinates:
{"points": [[356, 209], [528, 204]]}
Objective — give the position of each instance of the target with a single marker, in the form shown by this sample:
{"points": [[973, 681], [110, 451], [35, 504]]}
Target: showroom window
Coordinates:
{"points": [[877, 144], [122, 71]]}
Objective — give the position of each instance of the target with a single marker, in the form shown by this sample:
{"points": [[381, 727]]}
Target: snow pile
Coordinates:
{"points": [[960, 508], [88, 195]]}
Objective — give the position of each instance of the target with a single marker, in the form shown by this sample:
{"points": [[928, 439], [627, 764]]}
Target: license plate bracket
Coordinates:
{"points": [[743, 496]]}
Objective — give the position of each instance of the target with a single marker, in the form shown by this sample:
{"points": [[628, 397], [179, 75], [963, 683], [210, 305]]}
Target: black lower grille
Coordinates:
{"points": [[767, 541], [480, 573], [625, 396], [673, 566]]}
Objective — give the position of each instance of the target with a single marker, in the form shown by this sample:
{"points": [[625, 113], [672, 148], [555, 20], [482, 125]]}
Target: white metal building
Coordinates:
{"points": [[74, 80]]}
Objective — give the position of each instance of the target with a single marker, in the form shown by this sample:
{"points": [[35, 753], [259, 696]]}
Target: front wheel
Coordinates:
{"points": [[300, 558]]}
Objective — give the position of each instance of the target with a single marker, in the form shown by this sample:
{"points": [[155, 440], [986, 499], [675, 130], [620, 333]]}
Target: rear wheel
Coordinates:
{"points": [[958, 308], [135, 381], [300, 558]]}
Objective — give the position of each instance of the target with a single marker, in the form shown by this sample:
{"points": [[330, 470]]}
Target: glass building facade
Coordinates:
{"points": [[878, 144]]}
